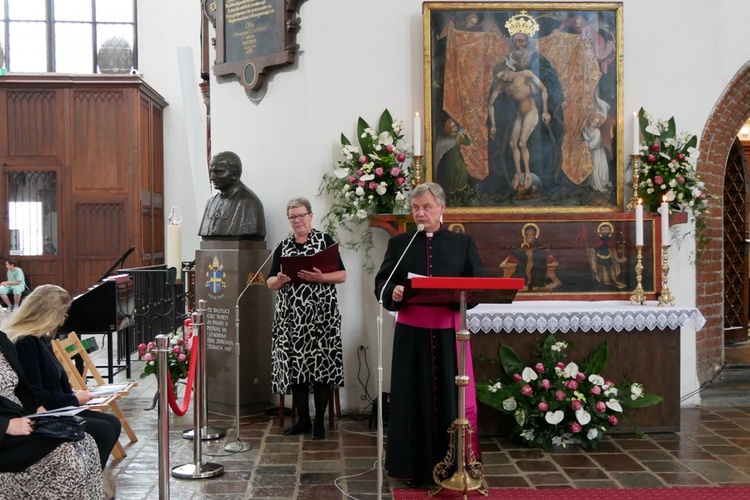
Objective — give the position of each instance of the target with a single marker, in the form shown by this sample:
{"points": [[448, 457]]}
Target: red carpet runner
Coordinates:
{"points": [[702, 493]]}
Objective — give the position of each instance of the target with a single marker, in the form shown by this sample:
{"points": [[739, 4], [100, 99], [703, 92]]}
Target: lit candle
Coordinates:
{"points": [[417, 135], [636, 135], [664, 221], [639, 223], [174, 242]]}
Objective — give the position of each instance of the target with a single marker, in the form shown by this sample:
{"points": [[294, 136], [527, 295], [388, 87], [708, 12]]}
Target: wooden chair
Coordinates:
{"points": [[71, 346], [333, 401]]}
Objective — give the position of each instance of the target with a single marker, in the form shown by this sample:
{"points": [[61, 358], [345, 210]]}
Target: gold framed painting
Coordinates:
{"points": [[524, 106]]}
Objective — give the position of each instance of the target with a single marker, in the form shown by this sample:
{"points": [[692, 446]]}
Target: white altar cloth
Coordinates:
{"points": [[564, 316]]}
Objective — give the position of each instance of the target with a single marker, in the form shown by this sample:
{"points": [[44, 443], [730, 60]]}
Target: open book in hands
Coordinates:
{"points": [[326, 260]]}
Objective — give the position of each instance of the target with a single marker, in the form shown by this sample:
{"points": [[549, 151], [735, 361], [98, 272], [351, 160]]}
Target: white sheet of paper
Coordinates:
{"points": [[107, 389], [67, 411]]}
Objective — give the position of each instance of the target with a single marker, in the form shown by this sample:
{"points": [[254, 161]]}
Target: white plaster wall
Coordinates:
{"points": [[358, 57]]}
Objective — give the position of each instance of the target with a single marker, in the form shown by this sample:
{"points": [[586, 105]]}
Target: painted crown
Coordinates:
{"points": [[522, 23]]}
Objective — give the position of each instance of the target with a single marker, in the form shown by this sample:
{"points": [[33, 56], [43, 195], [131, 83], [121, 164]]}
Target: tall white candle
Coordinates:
{"points": [[636, 135], [639, 223], [174, 242], [664, 222], [174, 248], [417, 135]]}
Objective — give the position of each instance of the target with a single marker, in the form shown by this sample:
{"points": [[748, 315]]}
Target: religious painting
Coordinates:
{"points": [[567, 257], [524, 105]]}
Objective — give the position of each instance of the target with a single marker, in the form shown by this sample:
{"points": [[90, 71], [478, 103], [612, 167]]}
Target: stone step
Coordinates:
{"points": [[731, 387], [735, 372]]}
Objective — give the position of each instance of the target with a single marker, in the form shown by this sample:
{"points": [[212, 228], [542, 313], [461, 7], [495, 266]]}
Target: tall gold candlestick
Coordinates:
{"points": [[636, 178], [665, 296], [639, 296], [417, 178]]}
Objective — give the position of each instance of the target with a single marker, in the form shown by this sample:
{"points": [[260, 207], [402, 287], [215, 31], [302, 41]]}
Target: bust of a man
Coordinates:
{"points": [[235, 213]]}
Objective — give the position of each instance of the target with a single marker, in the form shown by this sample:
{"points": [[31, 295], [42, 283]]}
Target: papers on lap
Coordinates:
{"points": [[106, 390], [326, 260], [67, 411]]}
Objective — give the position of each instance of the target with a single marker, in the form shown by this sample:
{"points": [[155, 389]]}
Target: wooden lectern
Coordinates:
{"points": [[469, 475]]}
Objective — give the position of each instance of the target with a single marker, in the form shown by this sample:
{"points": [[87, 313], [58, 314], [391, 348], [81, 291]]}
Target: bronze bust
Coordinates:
{"points": [[236, 212]]}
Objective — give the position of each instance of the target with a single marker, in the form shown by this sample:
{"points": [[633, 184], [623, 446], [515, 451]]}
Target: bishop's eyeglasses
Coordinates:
{"points": [[293, 218]]}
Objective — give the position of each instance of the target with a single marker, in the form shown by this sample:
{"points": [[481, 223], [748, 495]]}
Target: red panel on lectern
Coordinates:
{"points": [[444, 290]]}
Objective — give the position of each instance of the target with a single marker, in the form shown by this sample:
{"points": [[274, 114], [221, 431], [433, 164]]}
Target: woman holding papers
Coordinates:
{"points": [[30, 328], [424, 396], [306, 347], [33, 465]]}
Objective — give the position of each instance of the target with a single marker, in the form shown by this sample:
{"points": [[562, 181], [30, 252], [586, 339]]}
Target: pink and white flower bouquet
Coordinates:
{"points": [[666, 170], [178, 357], [556, 403], [372, 178]]}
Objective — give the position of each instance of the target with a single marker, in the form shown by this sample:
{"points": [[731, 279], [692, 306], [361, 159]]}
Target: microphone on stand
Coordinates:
{"points": [[238, 446], [420, 228]]}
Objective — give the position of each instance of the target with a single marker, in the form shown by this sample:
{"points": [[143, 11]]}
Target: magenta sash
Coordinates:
{"points": [[442, 318]]}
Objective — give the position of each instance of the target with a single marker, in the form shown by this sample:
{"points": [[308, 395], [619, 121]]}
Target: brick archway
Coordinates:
{"points": [[724, 122]]}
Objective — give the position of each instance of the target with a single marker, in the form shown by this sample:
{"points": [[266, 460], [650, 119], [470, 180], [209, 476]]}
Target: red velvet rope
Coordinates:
{"points": [[180, 411]]}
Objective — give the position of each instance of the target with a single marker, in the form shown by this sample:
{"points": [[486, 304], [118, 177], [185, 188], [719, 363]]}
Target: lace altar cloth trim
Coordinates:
{"points": [[566, 316]]}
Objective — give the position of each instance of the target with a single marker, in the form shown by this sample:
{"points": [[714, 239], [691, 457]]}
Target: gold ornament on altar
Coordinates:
{"points": [[522, 23]]}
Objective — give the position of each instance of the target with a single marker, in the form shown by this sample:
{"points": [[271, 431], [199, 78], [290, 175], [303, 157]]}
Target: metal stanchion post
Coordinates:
{"points": [[162, 353], [207, 432], [237, 446], [198, 469]]}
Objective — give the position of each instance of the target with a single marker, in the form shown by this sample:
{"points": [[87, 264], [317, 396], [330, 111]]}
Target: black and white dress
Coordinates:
{"points": [[306, 345]]}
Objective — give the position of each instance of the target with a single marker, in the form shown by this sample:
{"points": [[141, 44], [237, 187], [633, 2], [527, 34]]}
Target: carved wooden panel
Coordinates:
{"points": [[35, 124], [101, 144], [736, 286], [103, 136]]}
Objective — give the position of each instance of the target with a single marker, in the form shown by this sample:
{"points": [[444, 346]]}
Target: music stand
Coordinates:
{"points": [[452, 290]]}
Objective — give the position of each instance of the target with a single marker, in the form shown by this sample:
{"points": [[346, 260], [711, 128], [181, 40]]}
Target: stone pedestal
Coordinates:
{"points": [[222, 270]]}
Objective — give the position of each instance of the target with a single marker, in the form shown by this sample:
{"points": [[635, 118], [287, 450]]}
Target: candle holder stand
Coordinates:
{"points": [[639, 296], [417, 178], [636, 178], [665, 296]]}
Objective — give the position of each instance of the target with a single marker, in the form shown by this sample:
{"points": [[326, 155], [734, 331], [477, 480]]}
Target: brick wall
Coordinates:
{"points": [[724, 122]]}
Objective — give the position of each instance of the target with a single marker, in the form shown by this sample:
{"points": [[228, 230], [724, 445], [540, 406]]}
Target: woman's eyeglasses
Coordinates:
{"points": [[293, 218]]}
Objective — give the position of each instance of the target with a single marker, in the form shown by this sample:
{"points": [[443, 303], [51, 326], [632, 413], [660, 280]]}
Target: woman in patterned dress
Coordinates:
{"points": [[33, 465], [29, 329], [306, 346]]}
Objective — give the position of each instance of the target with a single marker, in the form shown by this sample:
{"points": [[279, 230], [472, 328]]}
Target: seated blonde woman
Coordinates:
{"points": [[33, 465]]}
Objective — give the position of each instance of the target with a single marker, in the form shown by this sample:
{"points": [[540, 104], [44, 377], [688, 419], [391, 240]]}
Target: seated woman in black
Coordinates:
{"points": [[29, 462], [30, 328]]}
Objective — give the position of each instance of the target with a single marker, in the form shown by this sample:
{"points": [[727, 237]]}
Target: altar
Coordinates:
{"points": [[644, 346]]}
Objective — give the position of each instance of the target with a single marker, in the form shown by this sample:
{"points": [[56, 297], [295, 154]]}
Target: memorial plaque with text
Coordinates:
{"points": [[254, 36]]}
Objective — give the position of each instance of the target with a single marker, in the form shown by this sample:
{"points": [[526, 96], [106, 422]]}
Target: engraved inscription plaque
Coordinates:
{"points": [[255, 36]]}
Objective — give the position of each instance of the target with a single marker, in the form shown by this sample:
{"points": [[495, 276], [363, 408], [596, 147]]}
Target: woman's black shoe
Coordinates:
{"points": [[319, 432], [298, 428]]}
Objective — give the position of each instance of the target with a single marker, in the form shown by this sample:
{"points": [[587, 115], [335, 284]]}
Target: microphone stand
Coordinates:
{"points": [[238, 446], [420, 228]]}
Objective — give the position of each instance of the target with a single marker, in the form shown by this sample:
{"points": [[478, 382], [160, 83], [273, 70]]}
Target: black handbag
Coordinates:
{"points": [[71, 428]]}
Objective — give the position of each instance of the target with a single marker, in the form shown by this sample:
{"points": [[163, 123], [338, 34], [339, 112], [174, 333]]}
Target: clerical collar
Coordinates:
{"points": [[431, 234]]}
